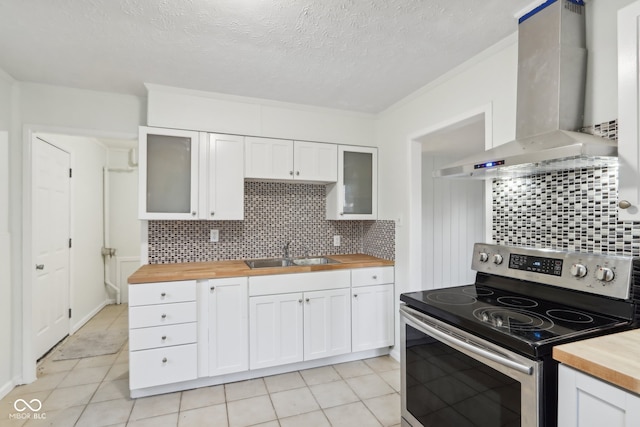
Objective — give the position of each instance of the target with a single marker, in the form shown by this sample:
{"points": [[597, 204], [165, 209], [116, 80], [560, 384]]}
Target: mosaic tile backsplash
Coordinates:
{"points": [[572, 210], [275, 213]]}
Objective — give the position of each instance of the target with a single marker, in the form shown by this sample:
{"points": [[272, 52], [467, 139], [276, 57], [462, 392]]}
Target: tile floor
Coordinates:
{"points": [[94, 391]]}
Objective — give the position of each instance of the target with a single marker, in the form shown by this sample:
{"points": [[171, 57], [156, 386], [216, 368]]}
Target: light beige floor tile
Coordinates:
{"points": [[333, 394], [10, 422], [154, 406], [369, 386], [11, 408], [79, 376], [310, 419], [321, 375], [353, 369], [45, 382], [123, 357], [382, 363], [353, 414], [274, 423], [385, 408], [92, 362], [105, 413], [169, 420], [118, 371], [284, 382], [110, 390], [50, 366], [247, 412], [67, 397], [245, 389], [215, 415], [392, 378], [293, 402], [201, 397], [61, 418]]}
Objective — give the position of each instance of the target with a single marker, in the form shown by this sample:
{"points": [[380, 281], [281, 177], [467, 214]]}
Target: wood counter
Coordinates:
{"points": [[613, 358], [218, 269]]}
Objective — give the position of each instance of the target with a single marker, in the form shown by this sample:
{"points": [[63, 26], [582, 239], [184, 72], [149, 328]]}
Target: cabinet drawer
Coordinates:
{"points": [[162, 293], [161, 314], [162, 336], [148, 368], [298, 282], [371, 276]]}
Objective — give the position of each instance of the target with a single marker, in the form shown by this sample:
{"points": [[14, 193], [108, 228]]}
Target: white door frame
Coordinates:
{"points": [[415, 184], [23, 322]]}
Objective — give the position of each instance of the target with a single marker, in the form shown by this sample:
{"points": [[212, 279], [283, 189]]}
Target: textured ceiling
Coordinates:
{"points": [[360, 55]]}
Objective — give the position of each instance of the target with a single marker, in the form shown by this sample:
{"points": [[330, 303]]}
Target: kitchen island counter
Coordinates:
{"points": [[149, 273], [612, 358]]}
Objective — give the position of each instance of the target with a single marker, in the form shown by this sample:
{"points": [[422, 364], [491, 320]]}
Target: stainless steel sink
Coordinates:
{"points": [[287, 262]]}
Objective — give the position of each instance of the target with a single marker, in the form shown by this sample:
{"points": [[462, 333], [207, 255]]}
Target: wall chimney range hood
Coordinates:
{"points": [[552, 63]]}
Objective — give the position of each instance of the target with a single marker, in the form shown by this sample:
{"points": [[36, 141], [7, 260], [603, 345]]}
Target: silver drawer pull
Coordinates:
{"points": [[213, 288], [355, 295], [164, 360], [300, 300], [375, 277], [164, 316], [164, 338], [164, 294], [307, 299]]}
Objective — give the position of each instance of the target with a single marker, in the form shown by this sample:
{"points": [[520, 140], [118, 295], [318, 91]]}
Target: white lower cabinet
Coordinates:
{"points": [[275, 331], [585, 401], [227, 325], [327, 321], [373, 316], [162, 334]]}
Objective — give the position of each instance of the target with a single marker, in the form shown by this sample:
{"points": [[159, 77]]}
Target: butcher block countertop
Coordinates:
{"points": [[613, 358], [218, 269]]}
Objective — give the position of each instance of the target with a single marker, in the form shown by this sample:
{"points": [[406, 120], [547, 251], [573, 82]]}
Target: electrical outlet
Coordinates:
{"points": [[336, 240], [214, 236]]}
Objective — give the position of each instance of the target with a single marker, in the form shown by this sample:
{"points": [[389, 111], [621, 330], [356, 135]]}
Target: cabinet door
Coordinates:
{"points": [[372, 319], [228, 326], [327, 320], [315, 161], [267, 158], [355, 195], [222, 175], [275, 331], [629, 112], [168, 173], [584, 401]]}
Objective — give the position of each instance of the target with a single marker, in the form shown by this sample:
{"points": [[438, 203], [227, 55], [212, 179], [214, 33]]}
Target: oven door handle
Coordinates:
{"points": [[498, 358]]}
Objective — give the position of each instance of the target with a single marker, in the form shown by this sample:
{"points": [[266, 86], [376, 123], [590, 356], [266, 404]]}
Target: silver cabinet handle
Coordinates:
{"points": [[212, 288], [291, 173], [164, 360], [39, 266], [355, 295], [163, 294], [164, 316], [375, 277], [164, 337], [212, 213], [624, 204], [306, 299], [300, 300], [297, 173], [193, 213]]}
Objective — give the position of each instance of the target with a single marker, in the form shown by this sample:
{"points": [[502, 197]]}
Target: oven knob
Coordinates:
{"points": [[578, 270], [604, 274], [484, 257], [497, 259]]}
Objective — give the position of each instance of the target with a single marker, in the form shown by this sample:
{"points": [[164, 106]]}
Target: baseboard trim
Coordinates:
{"points": [[6, 388], [75, 327]]}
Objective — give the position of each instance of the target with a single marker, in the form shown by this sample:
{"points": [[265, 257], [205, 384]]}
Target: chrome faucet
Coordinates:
{"points": [[286, 250]]}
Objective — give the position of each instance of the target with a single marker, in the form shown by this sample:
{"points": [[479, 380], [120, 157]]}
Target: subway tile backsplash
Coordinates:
{"points": [[275, 213], [572, 210]]}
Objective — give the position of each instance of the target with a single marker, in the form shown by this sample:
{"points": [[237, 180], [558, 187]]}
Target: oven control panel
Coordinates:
{"points": [[604, 275]]}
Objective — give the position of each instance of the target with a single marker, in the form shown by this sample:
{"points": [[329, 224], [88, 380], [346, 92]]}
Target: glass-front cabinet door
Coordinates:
{"points": [[355, 195], [168, 173]]}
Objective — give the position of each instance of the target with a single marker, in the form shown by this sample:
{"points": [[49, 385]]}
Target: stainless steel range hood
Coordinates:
{"points": [[552, 62]]}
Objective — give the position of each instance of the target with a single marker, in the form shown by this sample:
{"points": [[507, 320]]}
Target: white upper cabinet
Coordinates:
{"points": [[628, 112], [190, 175], [355, 195], [168, 177], [283, 160], [222, 177]]}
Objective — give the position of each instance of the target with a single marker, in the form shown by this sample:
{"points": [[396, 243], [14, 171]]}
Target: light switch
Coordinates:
{"points": [[214, 236]]}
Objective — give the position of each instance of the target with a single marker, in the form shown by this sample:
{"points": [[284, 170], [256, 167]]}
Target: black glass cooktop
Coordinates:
{"points": [[524, 324]]}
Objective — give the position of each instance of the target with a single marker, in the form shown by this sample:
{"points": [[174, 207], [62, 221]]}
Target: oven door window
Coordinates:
{"points": [[445, 387]]}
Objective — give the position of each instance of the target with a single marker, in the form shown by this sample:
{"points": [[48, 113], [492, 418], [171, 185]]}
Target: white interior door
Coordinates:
{"points": [[51, 225]]}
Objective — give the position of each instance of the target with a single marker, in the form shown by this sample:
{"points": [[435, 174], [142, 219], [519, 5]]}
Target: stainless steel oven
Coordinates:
{"points": [[480, 354]]}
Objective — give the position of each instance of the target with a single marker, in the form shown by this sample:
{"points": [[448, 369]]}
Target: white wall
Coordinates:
{"points": [[88, 158], [453, 219], [124, 226]]}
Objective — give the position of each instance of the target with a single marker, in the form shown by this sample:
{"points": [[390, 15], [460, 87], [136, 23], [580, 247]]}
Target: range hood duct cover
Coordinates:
{"points": [[552, 64]]}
